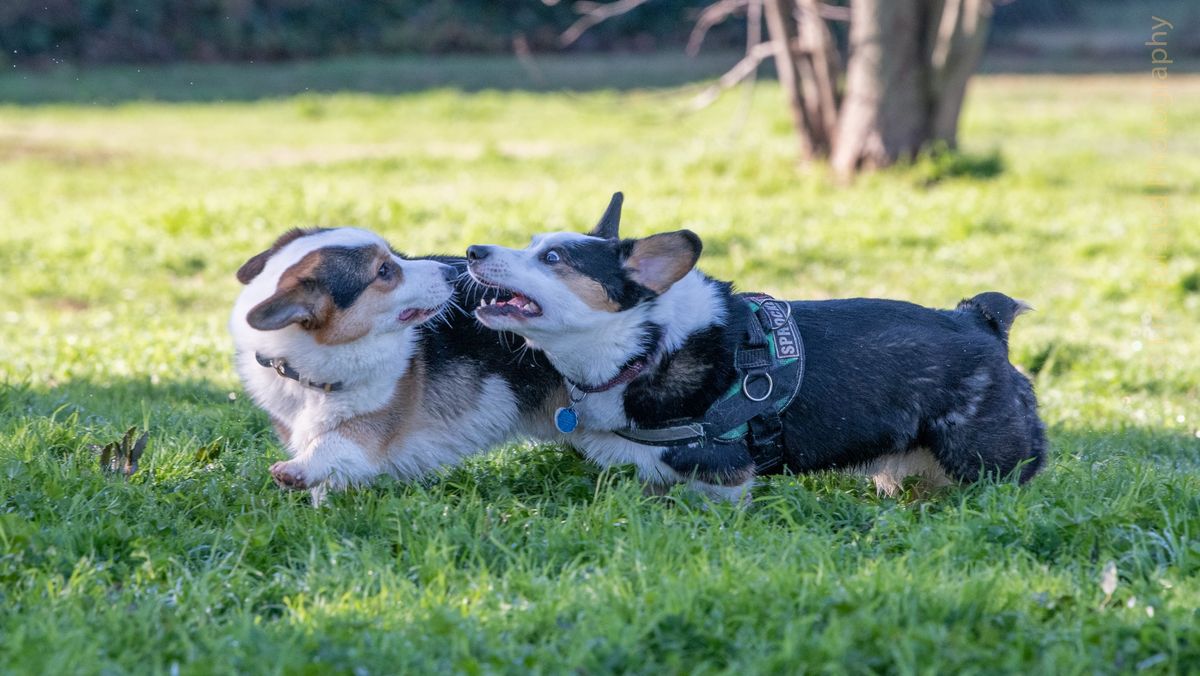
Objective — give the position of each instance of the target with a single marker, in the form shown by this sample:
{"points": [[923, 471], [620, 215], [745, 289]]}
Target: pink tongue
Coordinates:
{"points": [[408, 314]]}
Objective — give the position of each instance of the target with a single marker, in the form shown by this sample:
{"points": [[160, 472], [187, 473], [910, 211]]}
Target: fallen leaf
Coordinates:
{"points": [[123, 456]]}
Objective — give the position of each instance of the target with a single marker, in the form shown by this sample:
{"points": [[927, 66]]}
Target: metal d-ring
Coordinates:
{"points": [[571, 395], [746, 390]]}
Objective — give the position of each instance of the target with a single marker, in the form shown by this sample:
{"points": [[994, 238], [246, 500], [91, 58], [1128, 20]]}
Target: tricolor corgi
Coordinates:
{"points": [[367, 365], [672, 371]]}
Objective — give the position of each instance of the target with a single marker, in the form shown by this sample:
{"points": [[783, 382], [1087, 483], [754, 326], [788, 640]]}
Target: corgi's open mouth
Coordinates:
{"points": [[499, 302]]}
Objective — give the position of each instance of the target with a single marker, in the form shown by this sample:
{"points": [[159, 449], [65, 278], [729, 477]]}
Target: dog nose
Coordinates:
{"points": [[478, 252], [449, 273]]}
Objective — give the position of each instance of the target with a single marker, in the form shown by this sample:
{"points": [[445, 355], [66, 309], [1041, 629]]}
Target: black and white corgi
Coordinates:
{"points": [[672, 371], [367, 365]]}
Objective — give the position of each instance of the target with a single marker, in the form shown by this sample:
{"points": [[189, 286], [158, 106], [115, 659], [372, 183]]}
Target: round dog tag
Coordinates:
{"points": [[566, 420]]}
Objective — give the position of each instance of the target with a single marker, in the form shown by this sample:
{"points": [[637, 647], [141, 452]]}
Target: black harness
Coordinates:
{"points": [[770, 369]]}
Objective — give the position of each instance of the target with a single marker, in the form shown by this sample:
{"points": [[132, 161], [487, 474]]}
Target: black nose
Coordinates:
{"points": [[478, 252], [449, 273]]}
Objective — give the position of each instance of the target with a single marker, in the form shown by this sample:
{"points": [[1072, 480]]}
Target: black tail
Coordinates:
{"points": [[997, 310]]}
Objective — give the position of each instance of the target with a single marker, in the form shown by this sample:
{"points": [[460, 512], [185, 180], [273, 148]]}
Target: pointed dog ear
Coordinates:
{"points": [[253, 267], [658, 261], [610, 222], [287, 307]]}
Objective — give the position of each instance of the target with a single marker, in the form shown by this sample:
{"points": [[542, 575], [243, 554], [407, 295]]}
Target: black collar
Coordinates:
{"points": [[280, 366], [633, 369], [651, 346]]}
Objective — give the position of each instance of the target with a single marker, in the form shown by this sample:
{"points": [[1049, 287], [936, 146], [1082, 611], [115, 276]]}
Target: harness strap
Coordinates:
{"points": [[765, 439], [677, 435]]}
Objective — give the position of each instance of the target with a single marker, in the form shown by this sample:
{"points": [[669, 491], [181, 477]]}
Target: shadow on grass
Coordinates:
{"points": [[196, 427], [216, 83], [942, 164], [183, 416]]}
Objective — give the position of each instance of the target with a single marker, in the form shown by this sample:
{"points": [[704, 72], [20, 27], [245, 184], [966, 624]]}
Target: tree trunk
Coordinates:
{"points": [[906, 77], [817, 63], [956, 50], [802, 47]]}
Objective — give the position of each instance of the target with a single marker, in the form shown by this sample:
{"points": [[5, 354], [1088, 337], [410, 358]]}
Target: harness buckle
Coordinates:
{"points": [[746, 389]]}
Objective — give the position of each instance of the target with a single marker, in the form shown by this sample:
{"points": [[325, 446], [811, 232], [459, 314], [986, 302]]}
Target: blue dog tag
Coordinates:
{"points": [[566, 420]]}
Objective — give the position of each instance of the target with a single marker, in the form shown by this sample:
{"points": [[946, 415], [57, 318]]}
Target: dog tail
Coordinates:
{"points": [[997, 311]]}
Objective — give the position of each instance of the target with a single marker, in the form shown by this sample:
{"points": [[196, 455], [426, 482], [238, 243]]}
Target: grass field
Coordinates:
{"points": [[121, 226]]}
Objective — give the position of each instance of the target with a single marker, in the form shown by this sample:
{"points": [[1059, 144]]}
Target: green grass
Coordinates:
{"points": [[121, 227]]}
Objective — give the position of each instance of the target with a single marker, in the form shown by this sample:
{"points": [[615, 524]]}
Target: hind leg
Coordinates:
{"points": [[993, 434], [888, 472]]}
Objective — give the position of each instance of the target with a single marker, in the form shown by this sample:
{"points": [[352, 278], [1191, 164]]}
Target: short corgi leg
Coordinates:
{"points": [[330, 462], [888, 472], [738, 494]]}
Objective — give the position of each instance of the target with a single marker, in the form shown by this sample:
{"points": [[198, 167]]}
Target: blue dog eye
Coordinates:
{"points": [[551, 256]]}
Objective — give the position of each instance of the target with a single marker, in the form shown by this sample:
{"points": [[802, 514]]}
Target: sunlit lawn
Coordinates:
{"points": [[121, 224]]}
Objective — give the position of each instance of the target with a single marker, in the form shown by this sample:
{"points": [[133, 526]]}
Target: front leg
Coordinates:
{"points": [[738, 494], [717, 469], [330, 461]]}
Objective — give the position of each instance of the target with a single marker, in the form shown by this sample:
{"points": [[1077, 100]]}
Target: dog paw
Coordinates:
{"points": [[289, 475]]}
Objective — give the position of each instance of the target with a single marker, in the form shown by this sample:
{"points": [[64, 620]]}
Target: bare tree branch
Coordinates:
{"points": [[833, 12], [753, 24], [817, 74], [754, 20], [525, 57], [743, 69], [709, 17], [594, 13]]}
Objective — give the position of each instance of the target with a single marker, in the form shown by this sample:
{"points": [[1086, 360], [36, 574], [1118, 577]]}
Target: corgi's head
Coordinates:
{"points": [[570, 284], [334, 288]]}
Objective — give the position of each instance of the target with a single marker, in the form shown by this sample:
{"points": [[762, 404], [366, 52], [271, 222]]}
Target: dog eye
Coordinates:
{"points": [[385, 271], [552, 256]]}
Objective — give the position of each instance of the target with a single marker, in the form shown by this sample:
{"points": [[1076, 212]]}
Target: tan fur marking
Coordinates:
{"points": [[379, 431], [586, 289], [888, 472], [345, 325], [332, 325], [291, 291], [251, 268], [305, 268], [282, 430]]}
